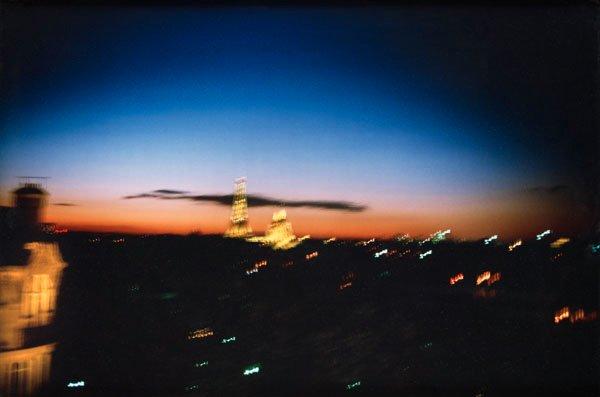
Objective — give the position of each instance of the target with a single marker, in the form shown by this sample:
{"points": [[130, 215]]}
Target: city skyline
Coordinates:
{"points": [[420, 117], [265, 207]]}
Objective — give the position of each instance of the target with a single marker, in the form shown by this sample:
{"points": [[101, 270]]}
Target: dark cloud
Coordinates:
{"points": [[560, 197], [65, 204], [551, 190], [169, 191], [143, 195], [253, 200]]}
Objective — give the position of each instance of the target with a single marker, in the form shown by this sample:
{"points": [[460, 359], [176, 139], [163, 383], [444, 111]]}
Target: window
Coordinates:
{"points": [[18, 380]]}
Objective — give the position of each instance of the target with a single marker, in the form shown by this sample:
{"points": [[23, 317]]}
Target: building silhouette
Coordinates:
{"points": [[31, 269]]}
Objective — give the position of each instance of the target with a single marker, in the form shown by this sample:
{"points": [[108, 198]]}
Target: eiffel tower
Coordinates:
{"points": [[239, 212]]}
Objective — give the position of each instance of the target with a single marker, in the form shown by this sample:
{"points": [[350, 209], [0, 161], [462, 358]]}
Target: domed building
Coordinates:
{"points": [[280, 234]]}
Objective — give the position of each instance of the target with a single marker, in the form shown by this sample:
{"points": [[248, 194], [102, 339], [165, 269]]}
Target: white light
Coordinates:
{"points": [[489, 240], [378, 254], [542, 234], [421, 256], [251, 371], [76, 384]]}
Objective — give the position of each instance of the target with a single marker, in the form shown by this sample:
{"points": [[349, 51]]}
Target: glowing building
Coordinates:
{"points": [[280, 234], [239, 212], [30, 274]]}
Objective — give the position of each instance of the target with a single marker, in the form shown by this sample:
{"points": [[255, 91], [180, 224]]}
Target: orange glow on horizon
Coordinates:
{"points": [[181, 217]]}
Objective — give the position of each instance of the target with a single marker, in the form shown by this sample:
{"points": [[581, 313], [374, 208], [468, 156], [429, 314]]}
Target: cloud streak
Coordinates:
{"points": [[254, 200], [548, 190], [65, 204]]}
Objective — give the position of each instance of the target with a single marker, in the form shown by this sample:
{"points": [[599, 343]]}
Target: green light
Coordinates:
{"points": [[253, 369], [353, 385], [168, 295], [228, 340], [201, 364]]}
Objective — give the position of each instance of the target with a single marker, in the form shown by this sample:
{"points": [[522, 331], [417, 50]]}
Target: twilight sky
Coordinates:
{"points": [[472, 119]]}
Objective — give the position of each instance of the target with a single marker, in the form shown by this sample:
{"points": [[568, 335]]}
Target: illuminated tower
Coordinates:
{"points": [[239, 212], [30, 275]]}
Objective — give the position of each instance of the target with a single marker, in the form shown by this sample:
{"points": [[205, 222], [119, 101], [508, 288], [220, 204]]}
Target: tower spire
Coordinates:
{"points": [[239, 212]]}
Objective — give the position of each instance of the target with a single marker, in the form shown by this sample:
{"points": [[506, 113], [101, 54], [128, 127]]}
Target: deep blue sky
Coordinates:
{"points": [[376, 105]]}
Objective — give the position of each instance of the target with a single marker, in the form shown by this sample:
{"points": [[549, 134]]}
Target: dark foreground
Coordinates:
{"points": [[340, 323]]}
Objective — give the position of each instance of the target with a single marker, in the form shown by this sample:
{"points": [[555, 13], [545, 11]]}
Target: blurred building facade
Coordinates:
{"points": [[31, 269]]}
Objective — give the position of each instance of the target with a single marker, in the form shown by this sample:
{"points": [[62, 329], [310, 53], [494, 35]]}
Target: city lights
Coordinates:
{"points": [[398, 129], [543, 234], [228, 340], [581, 315], [560, 242], [425, 241], [353, 385], [483, 277], [456, 278], [439, 236], [201, 333], [345, 285], [515, 245], [366, 242], [403, 238], [423, 255], [426, 346], [493, 278], [489, 240], [561, 315], [253, 369], [257, 265], [382, 252], [312, 255], [260, 264], [575, 316]]}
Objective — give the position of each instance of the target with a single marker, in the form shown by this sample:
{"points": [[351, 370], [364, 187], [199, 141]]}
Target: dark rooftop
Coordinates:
{"points": [[30, 188]]}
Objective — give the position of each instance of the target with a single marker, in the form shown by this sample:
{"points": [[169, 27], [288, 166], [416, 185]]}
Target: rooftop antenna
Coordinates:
{"points": [[38, 180]]}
